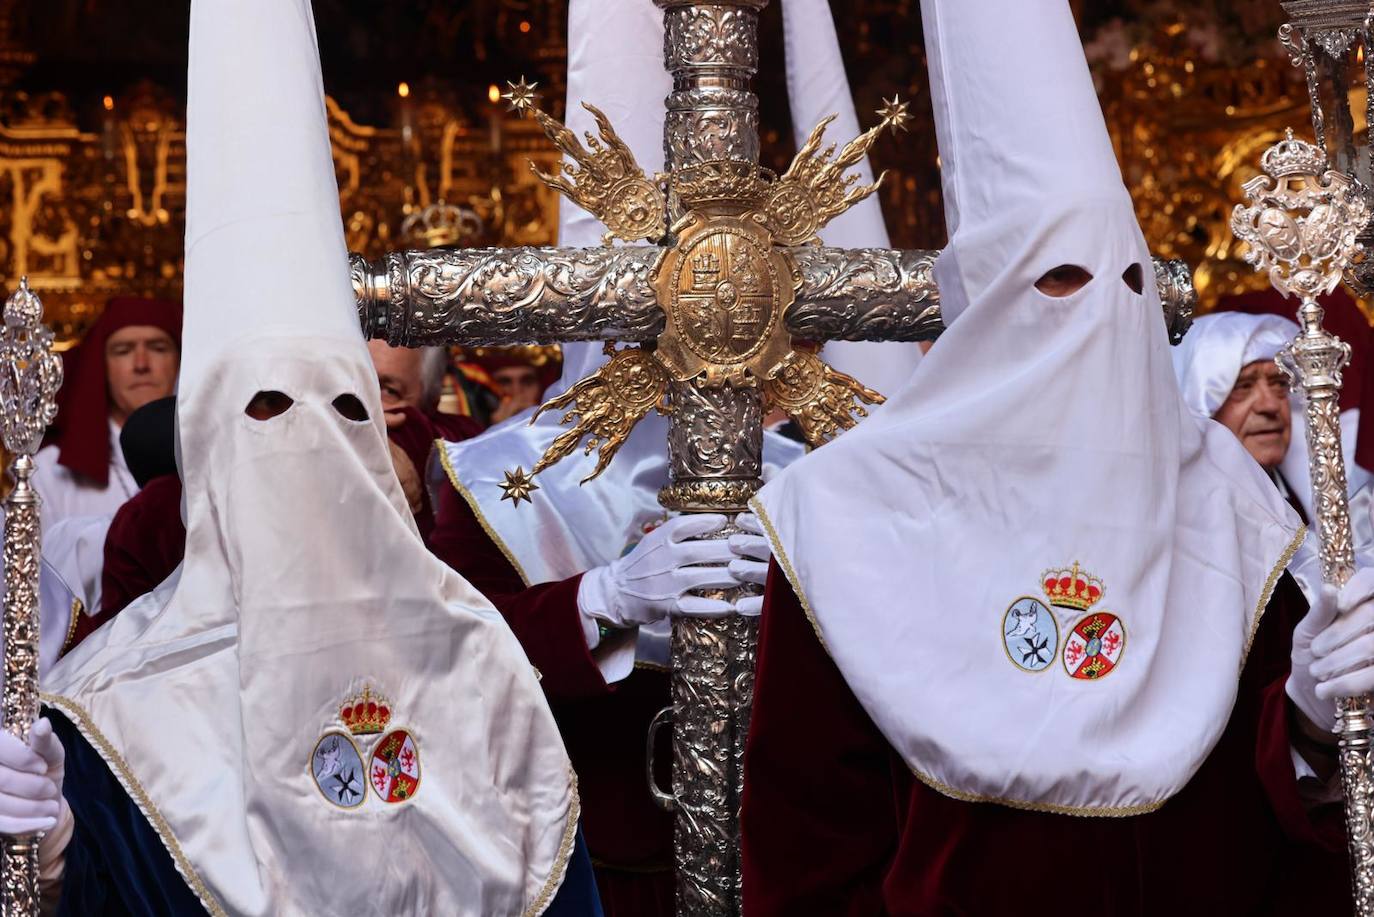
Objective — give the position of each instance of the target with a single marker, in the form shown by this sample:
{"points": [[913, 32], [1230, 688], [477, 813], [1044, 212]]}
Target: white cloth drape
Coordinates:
{"points": [[1036, 569], [226, 701]]}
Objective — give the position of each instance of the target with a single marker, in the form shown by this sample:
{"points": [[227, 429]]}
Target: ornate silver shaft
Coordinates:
{"points": [[715, 445], [20, 699], [1300, 221], [1316, 358], [30, 375], [865, 295], [508, 296], [549, 295]]}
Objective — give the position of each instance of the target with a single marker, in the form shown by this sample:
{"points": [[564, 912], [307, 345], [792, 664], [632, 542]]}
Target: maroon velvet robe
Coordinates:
{"points": [[416, 439], [604, 726], [835, 823], [144, 544]]}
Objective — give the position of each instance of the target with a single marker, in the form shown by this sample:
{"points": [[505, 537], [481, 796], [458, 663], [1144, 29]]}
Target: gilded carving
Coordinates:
{"points": [[724, 288], [605, 406], [822, 401], [604, 180], [814, 190]]}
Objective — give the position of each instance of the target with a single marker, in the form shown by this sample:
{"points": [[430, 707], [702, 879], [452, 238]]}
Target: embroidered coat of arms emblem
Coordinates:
{"points": [[1092, 647], [392, 767], [395, 771]]}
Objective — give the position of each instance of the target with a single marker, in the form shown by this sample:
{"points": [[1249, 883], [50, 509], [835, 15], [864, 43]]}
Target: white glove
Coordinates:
{"points": [[1333, 649], [652, 581], [752, 553], [31, 781]]}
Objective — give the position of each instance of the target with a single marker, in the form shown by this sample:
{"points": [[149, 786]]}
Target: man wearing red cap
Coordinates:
{"points": [[128, 358]]}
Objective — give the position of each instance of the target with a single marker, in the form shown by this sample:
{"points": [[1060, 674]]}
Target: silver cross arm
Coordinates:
{"points": [[551, 295], [530, 295]]}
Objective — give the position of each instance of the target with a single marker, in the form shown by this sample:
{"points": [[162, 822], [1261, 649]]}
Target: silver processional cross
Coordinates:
{"points": [[733, 273]]}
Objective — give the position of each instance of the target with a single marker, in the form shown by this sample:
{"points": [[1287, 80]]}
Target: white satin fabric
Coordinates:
{"points": [[1039, 433], [818, 88], [305, 580], [75, 547], [67, 494], [570, 528]]}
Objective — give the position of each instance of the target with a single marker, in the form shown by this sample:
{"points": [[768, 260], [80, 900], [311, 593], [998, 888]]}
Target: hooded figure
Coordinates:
{"points": [[314, 716], [818, 88], [1209, 361], [82, 473], [1018, 601]]}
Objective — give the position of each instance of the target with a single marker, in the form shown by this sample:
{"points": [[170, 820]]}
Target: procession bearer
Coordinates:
{"points": [[1027, 647]]}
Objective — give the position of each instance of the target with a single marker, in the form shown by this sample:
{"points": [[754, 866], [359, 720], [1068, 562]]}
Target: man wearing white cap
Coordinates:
{"points": [[1022, 649], [589, 574], [314, 716]]}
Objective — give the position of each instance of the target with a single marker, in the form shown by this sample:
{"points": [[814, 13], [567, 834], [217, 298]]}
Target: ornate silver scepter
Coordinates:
{"points": [[30, 375], [1300, 223]]}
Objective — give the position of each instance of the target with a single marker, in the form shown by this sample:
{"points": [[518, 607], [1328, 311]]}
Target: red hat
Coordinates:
{"points": [[81, 431], [545, 361]]}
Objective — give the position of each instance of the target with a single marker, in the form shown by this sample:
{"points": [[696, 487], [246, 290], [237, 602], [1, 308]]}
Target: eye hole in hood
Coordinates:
{"points": [[1064, 280], [1135, 278], [350, 407], [269, 404]]}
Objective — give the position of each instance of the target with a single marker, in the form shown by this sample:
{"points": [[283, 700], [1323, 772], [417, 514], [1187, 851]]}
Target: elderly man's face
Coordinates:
{"points": [[1257, 411], [398, 372], [140, 366]]}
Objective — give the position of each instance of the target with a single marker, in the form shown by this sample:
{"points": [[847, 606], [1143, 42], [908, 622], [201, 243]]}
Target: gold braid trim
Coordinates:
{"points": [[86, 726], [78, 609], [945, 789], [1050, 807], [1268, 592], [477, 510], [780, 554], [560, 866]]}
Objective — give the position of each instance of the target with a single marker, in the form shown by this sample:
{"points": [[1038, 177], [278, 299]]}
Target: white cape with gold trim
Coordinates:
{"points": [[1037, 570], [226, 702]]}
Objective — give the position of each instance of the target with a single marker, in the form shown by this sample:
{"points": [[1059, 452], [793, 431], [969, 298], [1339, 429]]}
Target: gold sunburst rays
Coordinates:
{"points": [[822, 401], [604, 179], [605, 406], [815, 188]]}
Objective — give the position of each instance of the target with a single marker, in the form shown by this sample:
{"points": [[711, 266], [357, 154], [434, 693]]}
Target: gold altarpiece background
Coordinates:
{"points": [[92, 190]]}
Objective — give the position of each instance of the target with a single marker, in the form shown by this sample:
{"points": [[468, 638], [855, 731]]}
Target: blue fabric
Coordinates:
{"points": [[577, 896], [116, 863]]}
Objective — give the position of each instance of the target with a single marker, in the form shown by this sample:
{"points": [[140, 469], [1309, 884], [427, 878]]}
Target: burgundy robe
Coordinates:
{"points": [[416, 439], [835, 823], [604, 726], [144, 544]]}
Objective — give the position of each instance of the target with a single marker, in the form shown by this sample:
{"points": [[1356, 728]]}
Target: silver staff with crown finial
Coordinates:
{"points": [[30, 375], [1300, 222]]}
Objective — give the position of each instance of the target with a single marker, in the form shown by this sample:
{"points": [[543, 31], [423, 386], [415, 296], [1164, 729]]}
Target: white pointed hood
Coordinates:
{"points": [[1035, 525], [817, 88], [314, 683], [615, 62]]}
